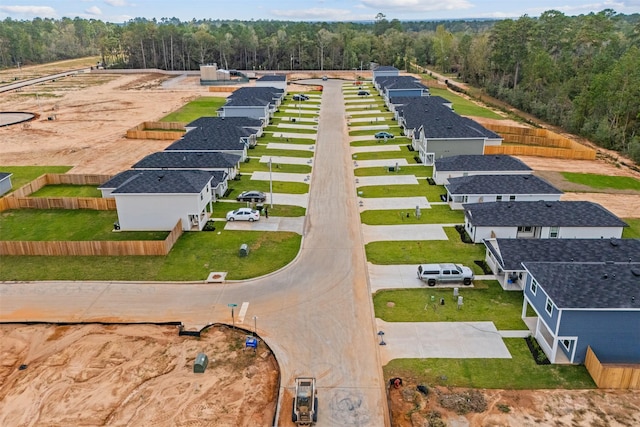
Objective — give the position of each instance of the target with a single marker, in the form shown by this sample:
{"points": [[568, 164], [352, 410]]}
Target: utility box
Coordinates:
{"points": [[244, 250], [200, 364]]}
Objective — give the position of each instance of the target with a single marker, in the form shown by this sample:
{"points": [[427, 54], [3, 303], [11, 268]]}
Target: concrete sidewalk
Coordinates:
{"points": [[451, 340], [391, 179], [371, 148], [383, 163], [378, 233], [281, 176], [406, 204], [284, 146], [273, 223]]}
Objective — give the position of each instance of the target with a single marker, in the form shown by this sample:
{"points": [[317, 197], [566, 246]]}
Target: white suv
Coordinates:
{"points": [[439, 273]]}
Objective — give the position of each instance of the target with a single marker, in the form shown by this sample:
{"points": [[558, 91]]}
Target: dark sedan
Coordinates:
{"points": [[251, 196]]}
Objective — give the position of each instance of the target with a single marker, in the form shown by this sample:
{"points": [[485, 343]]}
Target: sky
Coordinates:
{"points": [[302, 10]]}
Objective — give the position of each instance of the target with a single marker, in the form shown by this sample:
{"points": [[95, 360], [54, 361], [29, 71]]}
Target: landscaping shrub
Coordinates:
{"points": [[536, 351]]}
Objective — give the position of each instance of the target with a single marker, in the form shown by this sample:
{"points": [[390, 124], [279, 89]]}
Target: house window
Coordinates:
{"points": [[549, 307], [567, 344], [533, 286], [201, 196], [512, 198], [499, 198], [525, 229], [553, 232]]}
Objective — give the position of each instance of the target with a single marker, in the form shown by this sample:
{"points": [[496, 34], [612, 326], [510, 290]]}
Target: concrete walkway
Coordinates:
{"points": [[358, 112], [286, 160], [381, 163], [281, 176], [284, 146], [451, 340], [301, 200], [378, 233], [273, 223], [300, 119], [391, 203], [301, 111], [366, 120], [289, 125], [363, 181]]}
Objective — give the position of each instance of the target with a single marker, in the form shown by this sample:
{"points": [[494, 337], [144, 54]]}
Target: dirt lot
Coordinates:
{"points": [[136, 375], [142, 375]]}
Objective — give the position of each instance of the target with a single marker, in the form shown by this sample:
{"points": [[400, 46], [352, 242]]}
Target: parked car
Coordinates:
{"points": [[243, 214], [383, 135], [363, 93], [300, 97], [324, 78], [251, 196], [442, 273]]}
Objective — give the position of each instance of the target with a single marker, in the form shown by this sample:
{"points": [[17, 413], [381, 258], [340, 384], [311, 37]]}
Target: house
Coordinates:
{"points": [[400, 86], [385, 71], [505, 256], [274, 80], [475, 164], [580, 305], [190, 160], [540, 220], [437, 131], [231, 135], [5, 182], [254, 102], [499, 188], [157, 199]]}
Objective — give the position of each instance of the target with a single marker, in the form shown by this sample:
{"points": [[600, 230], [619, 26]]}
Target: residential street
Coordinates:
{"points": [[316, 314]]}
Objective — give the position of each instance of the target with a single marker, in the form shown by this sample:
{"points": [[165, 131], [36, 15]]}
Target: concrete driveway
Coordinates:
{"points": [[372, 148], [285, 146], [364, 181], [273, 223], [286, 160], [380, 163], [281, 176], [408, 204], [452, 340], [377, 233]]}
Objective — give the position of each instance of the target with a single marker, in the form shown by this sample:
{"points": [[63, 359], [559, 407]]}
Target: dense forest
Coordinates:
{"points": [[578, 72]]}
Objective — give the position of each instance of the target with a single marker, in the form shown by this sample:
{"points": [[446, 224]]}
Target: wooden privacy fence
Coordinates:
{"points": [[223, 88], [157, 130], [93, 248], [59, 178], [608, 375], [537, 142]]}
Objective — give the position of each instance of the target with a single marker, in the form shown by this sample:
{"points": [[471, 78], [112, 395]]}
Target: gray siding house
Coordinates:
{"points": [[456, 166], [506, 256], [279, 81], [540, 220], [254, 102], [499, 188], [400, 86], [580, 305], [385, 71], [5, 182]]}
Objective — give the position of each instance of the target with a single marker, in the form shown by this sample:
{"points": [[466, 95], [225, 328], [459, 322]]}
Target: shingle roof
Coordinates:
{"points": [[541, 213], [119, 179], [4, 175], [224, 122], [165, 182], [273, 78], [217, 134], [385, 68], [439, 121], [399, 82], [479, 162], [512, 252], [500, 184], [589, 285], [188, 160]]}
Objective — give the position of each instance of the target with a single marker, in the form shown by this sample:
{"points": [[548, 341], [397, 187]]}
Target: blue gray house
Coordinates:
{"points": [[505, 256], [580, 305], [540, 220], [254, 102], [499, 188], [278, 81], [400, 86], [477, 164], [385, 71], [5, 182]]}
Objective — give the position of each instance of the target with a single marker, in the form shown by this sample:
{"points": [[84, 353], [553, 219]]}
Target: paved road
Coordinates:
{"points": [[316, 313]]}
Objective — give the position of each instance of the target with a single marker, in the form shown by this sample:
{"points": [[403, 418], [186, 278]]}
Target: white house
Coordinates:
{"points": [[540, 220], [478, 164]]}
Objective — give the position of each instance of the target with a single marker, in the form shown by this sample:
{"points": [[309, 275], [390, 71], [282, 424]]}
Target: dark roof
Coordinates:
{"points": [[589, 285], [479, 162], [188, 160], [541, 213], [225, 122], [165, 182], [4, 175], [385, 68], [510, 253], [119, 179], [399, 82], [268, 92], [217, 134], [500, 184], [439, 121], [273, 78]]}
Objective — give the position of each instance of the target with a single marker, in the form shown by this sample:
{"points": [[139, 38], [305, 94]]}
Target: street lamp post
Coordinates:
{"points": [[255, 326], [233, 320], [270, 182]]}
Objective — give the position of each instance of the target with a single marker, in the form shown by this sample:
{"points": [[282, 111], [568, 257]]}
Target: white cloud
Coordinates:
{"points": [[410, 6], [116, 3], [39, 11], [94, 11], [315, 14]]}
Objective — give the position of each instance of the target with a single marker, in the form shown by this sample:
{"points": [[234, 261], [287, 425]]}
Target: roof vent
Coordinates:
{"points": [[548, 204], [605, 276], [526, 177], [614, 242]]}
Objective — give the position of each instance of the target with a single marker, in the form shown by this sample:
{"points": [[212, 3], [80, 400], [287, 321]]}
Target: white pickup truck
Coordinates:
{"points": [[442, 273]]}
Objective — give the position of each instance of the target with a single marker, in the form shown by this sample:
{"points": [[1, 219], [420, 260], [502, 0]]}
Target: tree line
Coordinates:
{"points": [[581, 73]]}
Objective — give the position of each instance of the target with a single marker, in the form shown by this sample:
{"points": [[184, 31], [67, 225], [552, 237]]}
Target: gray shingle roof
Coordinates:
{"points": [[217, 134], [512, 252], [273, 78], [4, 175], [593, 285], [165, 182], [385, 68], [479, 162], [224, 122], [500, 184], [399, 82], [541, 213], [119, 179], [188, 160]]}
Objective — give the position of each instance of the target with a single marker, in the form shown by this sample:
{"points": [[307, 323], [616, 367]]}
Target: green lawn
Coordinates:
{"points": [[519, 373], [67, 225], [403, 153], [486, 301], [603, 181], [205, 106], [245, 183], [413, 169], [464, 106], [193, 257], [67, 190], [274, 129], [438, 214], [633, 230], [427, 251], [432, 192], [25, 174]]}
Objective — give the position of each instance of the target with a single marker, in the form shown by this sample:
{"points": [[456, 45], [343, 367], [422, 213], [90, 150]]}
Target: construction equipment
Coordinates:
{"points": [[305, 402]]}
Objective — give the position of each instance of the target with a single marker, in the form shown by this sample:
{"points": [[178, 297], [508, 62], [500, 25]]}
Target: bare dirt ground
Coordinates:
{"points": [[142, 375], [135, 375]]}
